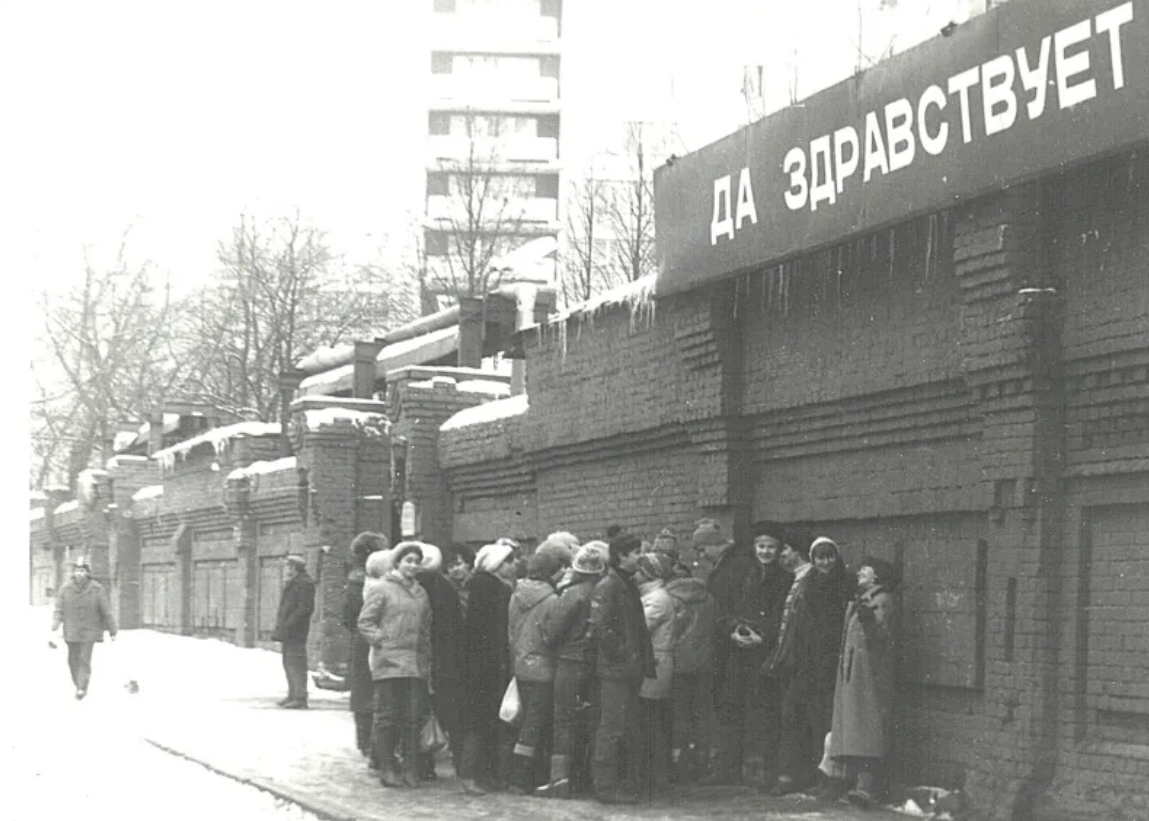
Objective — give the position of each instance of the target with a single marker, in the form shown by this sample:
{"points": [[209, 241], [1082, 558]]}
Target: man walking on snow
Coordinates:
{"points": [[82, 610], [292, 624]]}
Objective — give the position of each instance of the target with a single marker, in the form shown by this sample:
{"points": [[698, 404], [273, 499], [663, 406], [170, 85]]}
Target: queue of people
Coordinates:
{"points": [[617, 667]]}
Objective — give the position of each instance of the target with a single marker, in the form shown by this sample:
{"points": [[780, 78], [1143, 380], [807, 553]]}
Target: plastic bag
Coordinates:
{"points": [[512, 707], [431, 737]]}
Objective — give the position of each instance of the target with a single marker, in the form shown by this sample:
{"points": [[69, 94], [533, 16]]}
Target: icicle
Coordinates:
{"points": [[893, 243], [930, 245]]}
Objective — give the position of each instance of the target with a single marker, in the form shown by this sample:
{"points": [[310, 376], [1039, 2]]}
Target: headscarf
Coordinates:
{"points": [[491, 557]]}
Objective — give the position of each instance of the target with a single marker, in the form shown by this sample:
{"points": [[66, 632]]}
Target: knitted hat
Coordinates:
{"points": [[296, 559], [591, 559], [708, 533], [490, 557], [653, 565], [404, 548], [884, 572], [432, 558], [543, 565], [772, 529], [824, 545], [82, 561], [622, 544], [666, 543]]}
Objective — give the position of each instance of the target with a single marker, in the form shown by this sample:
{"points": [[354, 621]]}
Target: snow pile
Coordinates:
{"points": [[372, 423], [36, 514], [67, 506], [217, 437], [487, 386], [259, 468], [149, 492], [637, 296], [416, 342], [488, 412]]}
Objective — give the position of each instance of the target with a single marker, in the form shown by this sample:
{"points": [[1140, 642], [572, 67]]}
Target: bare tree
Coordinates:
{"points": [[630, 206], [107, 359], [484, 217], [585, 270], [280, 293]]}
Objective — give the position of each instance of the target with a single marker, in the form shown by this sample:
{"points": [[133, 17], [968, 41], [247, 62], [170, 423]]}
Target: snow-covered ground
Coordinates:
{"points": [[71, 759]]}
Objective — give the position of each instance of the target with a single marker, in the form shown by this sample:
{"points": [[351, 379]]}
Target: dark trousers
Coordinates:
{"points": [[363, 724], [488, 746], [750, 730], [693, 712], [574, 697], [615, 736], [80, 662], [805, 722], [295, 666], [652, 754], [400, 705]]}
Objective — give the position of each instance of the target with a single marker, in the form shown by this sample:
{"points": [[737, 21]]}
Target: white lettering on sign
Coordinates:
{"points": [[725, 220], [745, 209], [888, 139]]}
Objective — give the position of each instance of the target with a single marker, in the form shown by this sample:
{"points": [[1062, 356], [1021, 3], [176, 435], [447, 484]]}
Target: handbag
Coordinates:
{"points": [[512, 707], [431, 737]]}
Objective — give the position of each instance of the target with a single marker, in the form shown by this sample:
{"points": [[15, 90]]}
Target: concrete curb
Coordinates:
{"points": [[327, 810]]}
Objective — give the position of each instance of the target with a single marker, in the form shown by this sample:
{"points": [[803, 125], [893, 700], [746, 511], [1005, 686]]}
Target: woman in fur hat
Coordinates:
{"points": [[488, 742], [863, 698], [362, 696], [396, 622], [567, 629]]}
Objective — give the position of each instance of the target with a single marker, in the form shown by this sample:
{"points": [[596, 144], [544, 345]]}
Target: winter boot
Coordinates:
{"points": [[386, 739], [559, 785], [522, 767]]}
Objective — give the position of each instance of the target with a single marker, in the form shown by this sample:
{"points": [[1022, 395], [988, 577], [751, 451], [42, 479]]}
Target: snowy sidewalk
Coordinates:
{"points": [[214, 703]]}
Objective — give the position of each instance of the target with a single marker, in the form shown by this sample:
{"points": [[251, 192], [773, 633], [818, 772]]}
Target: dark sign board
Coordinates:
{"points": [[1024, 89]]}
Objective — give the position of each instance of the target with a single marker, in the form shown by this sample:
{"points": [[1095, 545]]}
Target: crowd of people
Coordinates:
{"points": [[617, 667]]}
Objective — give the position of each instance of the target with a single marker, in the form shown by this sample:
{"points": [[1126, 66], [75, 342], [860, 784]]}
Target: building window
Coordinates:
{"points": [[438, 184], [547, 185], [435, 243], [441, 62], [445, 6], [438, 124], [549, 126]]}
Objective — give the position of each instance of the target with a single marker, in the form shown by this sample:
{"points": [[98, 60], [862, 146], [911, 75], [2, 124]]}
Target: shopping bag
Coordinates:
{"points": [[512, 707], [431, 737]]}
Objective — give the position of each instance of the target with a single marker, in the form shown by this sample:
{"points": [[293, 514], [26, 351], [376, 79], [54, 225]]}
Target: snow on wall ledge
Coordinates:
{"points": [[261, 468], [367, 421], [149, 492], [218, 437], [488, 412]]}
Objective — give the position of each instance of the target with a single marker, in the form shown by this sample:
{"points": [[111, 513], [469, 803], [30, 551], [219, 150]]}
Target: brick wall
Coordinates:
{"points": [[966, 394]]}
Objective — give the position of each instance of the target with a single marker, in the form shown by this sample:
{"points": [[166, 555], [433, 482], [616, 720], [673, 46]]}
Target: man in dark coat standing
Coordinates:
{"points": [[292, 624], [623, 657], [82, 610]]}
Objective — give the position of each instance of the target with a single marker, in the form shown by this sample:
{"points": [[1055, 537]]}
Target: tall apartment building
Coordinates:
{"points": [[493, 125]]}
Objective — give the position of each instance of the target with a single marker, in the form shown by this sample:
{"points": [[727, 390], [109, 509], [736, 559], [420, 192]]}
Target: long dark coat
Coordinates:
{"points": [[864, 694], [756, 595], [486, 652], [446, 647], [359, 664], [296, 604], [82, 608], [618, 629]]}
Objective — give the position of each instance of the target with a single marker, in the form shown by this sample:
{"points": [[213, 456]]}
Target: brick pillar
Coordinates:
{"points": [[709, 339], [289, 382], [128, 474], [348, 493], [471, 326], [1011, 322]]}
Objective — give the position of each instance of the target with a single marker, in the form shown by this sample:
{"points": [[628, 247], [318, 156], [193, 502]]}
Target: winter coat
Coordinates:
{"points": [[446, 627], [531, 658], [486, 652], [296, 604], [864, 694], [396, 621], [809, 640], [658, 610], [566, 628], [755, 598], [618, 627], [82, 608], [695, 621], [359, 662]]}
